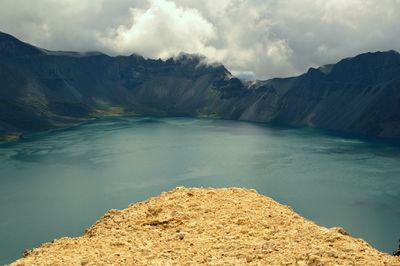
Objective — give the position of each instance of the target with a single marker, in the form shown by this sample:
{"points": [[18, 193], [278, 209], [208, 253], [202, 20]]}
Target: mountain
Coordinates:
{"points": [[357, 95], [41, 89]]}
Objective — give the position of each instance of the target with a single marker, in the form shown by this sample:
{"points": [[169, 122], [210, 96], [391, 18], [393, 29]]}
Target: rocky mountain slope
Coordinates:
{"points": [[42, 89], [200, 226]]}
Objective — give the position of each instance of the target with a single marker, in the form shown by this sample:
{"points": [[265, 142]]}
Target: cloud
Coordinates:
{"points": [[163, 30], [261, 38]]}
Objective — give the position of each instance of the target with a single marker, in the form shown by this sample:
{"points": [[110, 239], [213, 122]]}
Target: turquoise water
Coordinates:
{"points": [[58, 183]]}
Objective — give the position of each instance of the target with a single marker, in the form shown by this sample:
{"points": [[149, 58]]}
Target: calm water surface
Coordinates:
{"points": [[58, 183]]}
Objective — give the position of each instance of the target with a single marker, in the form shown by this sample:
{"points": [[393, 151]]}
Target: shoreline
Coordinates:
{"points": [[16, 136], [7, 137]]}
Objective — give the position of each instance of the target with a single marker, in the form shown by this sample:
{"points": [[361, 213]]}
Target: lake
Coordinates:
{"points": [[58, 183]]}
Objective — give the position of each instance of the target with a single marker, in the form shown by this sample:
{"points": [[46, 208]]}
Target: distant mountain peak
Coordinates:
{"points": [[41, 89], [376, 54], [392, 51], [192, 59], [195, 59], [4, 35], [11, 46], [368, 68]]}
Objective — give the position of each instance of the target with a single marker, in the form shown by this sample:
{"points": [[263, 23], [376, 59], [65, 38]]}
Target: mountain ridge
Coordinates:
{"points": [[41, 89]]}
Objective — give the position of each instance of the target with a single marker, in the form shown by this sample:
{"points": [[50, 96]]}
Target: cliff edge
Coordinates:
{"points": [[192, 226]]}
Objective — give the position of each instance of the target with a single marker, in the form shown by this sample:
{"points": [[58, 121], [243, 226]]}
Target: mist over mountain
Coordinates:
{"points": [[41, 89]]}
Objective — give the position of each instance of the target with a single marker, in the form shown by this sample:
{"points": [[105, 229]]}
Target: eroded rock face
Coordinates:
{"points": [[192, 226], [42, 89]]}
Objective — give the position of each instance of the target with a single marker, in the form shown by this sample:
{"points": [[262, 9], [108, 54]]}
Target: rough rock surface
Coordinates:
{"points": [[190, 226]]}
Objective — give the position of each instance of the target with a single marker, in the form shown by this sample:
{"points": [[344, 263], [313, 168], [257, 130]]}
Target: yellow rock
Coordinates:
{"points": [[192, 226]]}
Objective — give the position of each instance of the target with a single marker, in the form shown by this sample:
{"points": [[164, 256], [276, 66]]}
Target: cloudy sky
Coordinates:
{"points": [[254, 38]]}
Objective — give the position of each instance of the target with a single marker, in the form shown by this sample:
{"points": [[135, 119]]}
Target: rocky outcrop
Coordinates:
{"points": [[397, 252], [42, 89], [193, 226]]}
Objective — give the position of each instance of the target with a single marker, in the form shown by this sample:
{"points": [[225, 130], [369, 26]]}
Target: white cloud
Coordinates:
{"points": [[266, 37], [163, 30]]}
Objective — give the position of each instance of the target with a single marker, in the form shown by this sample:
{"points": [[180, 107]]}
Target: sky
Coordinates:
{"points": [[254, 39]]}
